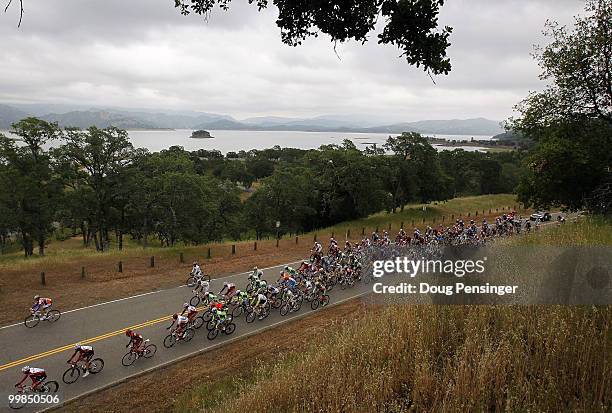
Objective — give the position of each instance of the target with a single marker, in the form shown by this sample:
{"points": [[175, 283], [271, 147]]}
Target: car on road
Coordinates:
{"points": [[541, 215]]}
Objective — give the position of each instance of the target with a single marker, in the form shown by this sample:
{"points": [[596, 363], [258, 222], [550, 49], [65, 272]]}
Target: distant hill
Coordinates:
{"points": [[509, 136], [152, 119], [476, 126], [9, 115], [101, 119]]}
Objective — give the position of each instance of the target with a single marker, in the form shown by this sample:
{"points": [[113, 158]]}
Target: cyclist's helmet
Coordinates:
{"points": [[219, 306], [185, 305], [36, 297], [128, 332], [286, 268], [25, 369], [77, 346], [174, 316]]}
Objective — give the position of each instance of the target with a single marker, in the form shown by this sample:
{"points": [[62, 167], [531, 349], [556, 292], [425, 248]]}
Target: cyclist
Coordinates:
{"points": [[258, 303], [190, 310], [220, 314], [242, 297], [42, 304], [135, 340], [181, 321], [228, 290], [289, 281], [196, 271], [202, 286], [35, 374], [85, 353], [256, 274]]}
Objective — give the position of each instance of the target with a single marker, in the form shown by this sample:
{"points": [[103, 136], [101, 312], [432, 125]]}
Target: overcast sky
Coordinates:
{"points": [[144, 54]]}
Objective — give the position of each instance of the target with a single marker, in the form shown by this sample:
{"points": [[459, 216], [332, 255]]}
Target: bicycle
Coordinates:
{"points": [[171, 339], [321, 299], [291, 306], [146, 350], [259, 312], [193, 280], [21, 399], [227, 326], [74, 371], [36, 317]]}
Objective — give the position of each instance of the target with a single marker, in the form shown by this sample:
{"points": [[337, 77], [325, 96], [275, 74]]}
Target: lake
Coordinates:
{"points": [[236, 140]]}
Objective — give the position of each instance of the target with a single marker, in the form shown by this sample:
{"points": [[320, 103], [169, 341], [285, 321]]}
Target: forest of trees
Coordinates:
{"points": [[94, 184]]}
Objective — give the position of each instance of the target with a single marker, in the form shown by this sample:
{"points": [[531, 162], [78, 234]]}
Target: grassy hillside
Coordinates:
{"points": [[441, 358]]}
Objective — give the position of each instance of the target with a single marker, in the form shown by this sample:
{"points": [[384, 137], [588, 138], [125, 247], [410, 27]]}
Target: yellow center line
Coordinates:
{"points": [[86, 341]]}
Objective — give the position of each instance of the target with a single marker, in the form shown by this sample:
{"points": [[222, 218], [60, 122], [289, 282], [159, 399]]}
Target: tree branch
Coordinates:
{"points": [[20, 12]]}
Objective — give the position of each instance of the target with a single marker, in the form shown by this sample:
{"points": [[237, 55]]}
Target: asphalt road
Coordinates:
{"points": [[103, 325]]}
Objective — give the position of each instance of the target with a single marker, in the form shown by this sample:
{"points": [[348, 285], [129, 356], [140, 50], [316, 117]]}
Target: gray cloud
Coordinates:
{"points": [[142, 53]]}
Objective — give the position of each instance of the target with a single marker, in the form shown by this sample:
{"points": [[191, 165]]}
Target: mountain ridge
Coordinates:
{"points": [[151, 119]]}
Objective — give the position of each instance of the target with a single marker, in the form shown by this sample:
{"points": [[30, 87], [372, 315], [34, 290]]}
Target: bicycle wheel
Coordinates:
{"points": [[96, 366], [284, 309], [31, 321], [198, 322], [129, 358], [188, 334], [212, 334], [71, 375], [53, 316], [170, 340], [149, 351], [50, 387], [207, 316], [230, 328], [315, 303], [210, 325], [324, 300], [195, 300], [206, 277], [237, 312], [191, 281], [250, 317]]}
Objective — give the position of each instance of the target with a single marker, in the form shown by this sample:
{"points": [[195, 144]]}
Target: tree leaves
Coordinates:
{"points": [[411, 25]]}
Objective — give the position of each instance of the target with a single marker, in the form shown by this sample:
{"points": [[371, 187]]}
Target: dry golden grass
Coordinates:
{"points": [[446, 358]]}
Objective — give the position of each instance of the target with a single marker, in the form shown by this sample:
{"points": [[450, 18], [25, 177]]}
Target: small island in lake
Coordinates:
{"points": [[201, 134]]}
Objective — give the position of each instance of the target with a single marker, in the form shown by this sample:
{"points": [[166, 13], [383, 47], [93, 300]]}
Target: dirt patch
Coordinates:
{"points": [[233, 360]]}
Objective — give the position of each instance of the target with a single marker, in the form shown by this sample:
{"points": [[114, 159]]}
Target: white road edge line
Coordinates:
{"points": [[195, 353], [151, 292]]}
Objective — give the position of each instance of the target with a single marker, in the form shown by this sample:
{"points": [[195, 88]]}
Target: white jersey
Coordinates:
{"points": [[35, 370], [181, 319]]}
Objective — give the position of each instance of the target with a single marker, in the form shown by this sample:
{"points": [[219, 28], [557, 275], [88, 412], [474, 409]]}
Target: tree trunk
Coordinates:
{"points": [[41, 245], [120, 239], [96, 240], [145, 234]]}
